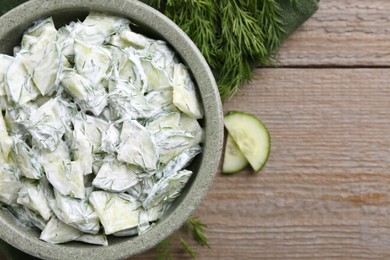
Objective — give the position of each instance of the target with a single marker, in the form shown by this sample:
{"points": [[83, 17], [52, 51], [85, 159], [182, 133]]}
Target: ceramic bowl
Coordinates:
{"points": [[153, 24]]}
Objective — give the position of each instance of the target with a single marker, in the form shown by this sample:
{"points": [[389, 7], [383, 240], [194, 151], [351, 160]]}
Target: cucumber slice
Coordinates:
{"points": [[251, 137], [234, 161]]}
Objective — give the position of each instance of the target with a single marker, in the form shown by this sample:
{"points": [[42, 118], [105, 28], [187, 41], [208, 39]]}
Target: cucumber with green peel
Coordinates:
{"points": [[234, 161], [251, 136]]}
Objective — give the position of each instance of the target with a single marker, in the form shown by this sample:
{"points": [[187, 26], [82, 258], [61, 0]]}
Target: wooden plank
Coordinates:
{"points": [[342, 33], [324, 192]]}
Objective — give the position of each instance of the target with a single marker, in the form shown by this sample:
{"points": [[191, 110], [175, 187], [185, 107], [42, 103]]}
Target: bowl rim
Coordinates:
{"points": [[136, 11]]}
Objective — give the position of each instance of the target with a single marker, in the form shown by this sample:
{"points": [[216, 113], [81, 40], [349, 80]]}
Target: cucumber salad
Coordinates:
{"points": [[98, 126]]}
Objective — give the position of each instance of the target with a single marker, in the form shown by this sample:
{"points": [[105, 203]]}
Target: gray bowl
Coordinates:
{"points": [[156, 25]]}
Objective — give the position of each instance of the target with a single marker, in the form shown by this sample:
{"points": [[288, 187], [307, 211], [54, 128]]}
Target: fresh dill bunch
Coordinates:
{"points": [[197, 229], [241, 41], [233, 35]]}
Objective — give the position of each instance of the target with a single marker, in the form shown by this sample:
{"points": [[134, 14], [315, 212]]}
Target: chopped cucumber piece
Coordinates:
{"points": [[110, 139], [161, 101], [251, 137], [39, 36], [19, 85], [116, 176], [157, 61], [90, 97], [157, 78], [48, 123], [82, 151], [67, 178], [32, 196], [137, 146], [41, 57], [9, 184], [65, 40], [134, 39], [47, 158], [45, 68], [76, 213], [166, 189], [97, 27], [26, 159], [163, 122], [57, 232], [122, 106], [92, 128], [234, 161], [91, 61], [128, 67], [181, 161], [184, 93], [115, 211], [170, 143], [27, 217], [174, 133]]}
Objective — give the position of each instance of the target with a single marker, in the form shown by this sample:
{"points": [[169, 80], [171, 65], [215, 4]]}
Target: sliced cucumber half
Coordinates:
{"points": [[234, 161], [251, 137]]}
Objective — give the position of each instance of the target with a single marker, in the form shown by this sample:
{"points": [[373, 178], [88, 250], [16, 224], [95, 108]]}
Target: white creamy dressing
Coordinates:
{"points": [[97, 126]]}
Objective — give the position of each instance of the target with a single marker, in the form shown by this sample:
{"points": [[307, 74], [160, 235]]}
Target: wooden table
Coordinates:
{"points": [[325, 191]]}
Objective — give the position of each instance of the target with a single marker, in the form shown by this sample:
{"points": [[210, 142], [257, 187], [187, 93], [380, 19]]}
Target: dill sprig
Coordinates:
{"points": [[195, 225], [233, 35], [197, 229], [187, 248]]}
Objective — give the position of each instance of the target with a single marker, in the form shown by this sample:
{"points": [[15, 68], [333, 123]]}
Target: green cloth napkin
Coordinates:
{"points": [[296, 14], [293, 17], [7, 5]]}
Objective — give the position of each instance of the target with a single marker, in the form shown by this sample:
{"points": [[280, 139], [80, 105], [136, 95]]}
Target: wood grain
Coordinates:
{"points": [[343, 33], [324, 192]]}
